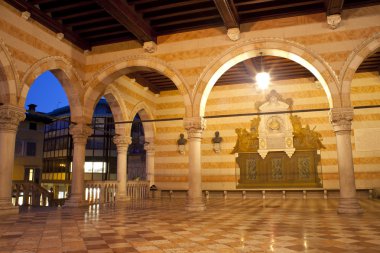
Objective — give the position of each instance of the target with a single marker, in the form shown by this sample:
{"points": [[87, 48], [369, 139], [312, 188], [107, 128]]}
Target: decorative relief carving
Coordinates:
{"points": [[341, 118], [281, 132], [194, 126], [149, 148], [233, 34], [80, 133], [25, 15], [122, 142], [10, 117], [334, 20], [150, 47], [304, 167], [275, 131], [277, 168]]}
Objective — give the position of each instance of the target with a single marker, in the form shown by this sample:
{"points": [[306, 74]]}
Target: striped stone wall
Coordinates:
{"points": [[183, 57]]}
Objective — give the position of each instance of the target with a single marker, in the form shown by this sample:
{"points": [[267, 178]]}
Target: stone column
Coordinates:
{"points": [[10, 117], [122, 142], [79, 133], [150, 152], [341, 121], [195, 127]]}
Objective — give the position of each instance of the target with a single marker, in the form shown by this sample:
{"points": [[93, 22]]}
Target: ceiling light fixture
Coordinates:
{"points": [[262, 78]]}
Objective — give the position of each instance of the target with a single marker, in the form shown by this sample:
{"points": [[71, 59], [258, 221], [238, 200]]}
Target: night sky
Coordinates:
{"points": [[47, 93]]}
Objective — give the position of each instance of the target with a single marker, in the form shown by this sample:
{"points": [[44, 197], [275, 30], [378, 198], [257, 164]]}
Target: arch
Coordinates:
{"points": [[357, 56], [97, 85], [145, 114], [118, 108], [9, 78], [67, 76], [268, 46]]}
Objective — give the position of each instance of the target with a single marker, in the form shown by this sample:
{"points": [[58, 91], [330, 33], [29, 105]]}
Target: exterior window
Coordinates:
{"points": [[31, 149], [32, 126], [18, 148]]}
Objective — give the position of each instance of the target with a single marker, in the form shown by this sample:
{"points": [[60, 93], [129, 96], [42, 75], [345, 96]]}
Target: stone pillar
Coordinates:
{"points": [[122, 142], [195, 127], [341, 121], [150, 152], [10, 117], [79, 133]]}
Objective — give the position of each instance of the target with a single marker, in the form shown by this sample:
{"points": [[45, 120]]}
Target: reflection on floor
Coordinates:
{"points": [[233, 225]]}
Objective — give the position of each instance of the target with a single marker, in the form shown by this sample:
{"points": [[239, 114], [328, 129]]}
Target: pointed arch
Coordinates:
{"points": [[97, 85], [119, 110], [67, 76], [357, 56], [268, 46], [145, 114], [9, 78]]}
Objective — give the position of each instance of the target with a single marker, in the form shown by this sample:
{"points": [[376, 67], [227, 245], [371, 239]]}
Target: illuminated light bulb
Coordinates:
{"points": [[262, 80]]}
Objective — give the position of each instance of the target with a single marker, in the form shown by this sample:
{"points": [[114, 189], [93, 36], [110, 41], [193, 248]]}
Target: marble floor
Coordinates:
{"points": [[232, 225]]}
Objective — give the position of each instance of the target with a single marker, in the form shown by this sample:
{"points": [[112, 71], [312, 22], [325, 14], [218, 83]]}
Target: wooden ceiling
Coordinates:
{"points": [[244, 72], [89, 23]]}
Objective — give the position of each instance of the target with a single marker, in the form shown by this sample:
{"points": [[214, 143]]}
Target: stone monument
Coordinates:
{"points": [[275, 130]]}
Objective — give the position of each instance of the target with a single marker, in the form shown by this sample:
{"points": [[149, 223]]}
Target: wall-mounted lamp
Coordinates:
{"points": [[262, 78]]}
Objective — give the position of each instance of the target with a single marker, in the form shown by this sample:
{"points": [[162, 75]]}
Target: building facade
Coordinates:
{"points": [[100, 161]]}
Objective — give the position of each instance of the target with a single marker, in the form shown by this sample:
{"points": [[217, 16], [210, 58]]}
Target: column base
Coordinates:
{"points": [[75, 201], [195, 204], [7, 209], [349, 206]]}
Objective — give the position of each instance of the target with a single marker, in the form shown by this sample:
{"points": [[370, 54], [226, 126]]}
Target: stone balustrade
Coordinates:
{"points": [[100, 192], [138, 189], [32, 194]]}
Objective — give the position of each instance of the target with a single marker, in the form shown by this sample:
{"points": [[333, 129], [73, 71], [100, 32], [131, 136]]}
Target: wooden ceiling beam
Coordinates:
{"points": [[228, 13], [159, 6], [87, 21], [97, 28], [276, 7], [77, 14], [250, 67], [143, 81], [64, 7], [333, 7], [126, 16], [42, 1], [50, 23]]}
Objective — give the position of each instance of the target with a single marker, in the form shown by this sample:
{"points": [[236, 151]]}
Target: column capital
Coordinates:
{"points": [[341, 118], [122, 142], [194, 126], [80, 132], [10, 117], [149, 147]]}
